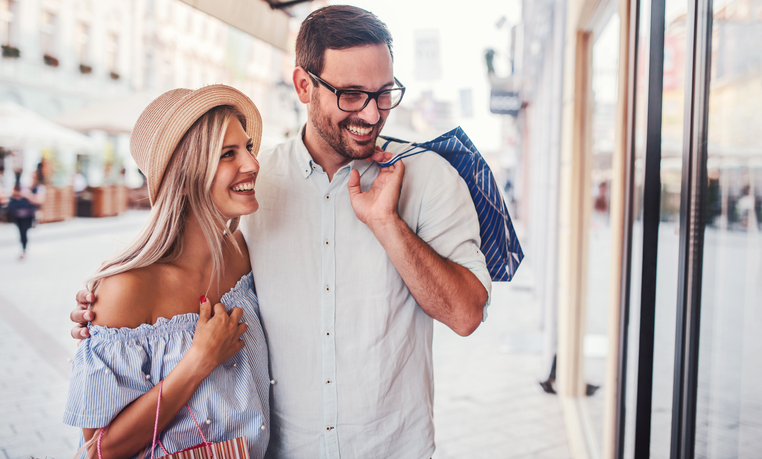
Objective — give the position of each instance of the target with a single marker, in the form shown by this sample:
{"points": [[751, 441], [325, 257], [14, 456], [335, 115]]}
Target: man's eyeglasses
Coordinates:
{"points": [[355, 100]]}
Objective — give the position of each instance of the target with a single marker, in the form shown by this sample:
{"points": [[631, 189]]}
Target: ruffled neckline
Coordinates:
{"points": [[163, 325]]}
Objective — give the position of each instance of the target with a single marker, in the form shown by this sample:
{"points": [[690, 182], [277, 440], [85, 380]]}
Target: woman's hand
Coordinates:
{"points": [[218, 335]]}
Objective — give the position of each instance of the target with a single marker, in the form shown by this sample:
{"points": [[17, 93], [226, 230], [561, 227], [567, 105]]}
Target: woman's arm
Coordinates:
{"points": [[216, 340]]}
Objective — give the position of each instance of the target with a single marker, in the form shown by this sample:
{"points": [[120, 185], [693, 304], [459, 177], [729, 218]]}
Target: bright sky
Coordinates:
{"points": [[466, 29]]}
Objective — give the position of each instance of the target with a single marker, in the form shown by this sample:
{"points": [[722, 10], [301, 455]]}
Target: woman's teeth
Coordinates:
{"points": [[248, 186], [359, 131]]}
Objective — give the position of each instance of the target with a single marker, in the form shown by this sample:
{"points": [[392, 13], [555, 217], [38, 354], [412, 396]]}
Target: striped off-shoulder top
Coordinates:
{"points": [[113, 367]]}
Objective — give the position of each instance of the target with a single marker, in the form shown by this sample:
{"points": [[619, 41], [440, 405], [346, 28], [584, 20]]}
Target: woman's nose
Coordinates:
{"points": [[250, 163]]}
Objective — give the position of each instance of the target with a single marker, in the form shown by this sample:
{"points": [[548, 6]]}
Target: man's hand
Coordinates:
{"points": [[81, 315], [380, 156], [377, 206]]}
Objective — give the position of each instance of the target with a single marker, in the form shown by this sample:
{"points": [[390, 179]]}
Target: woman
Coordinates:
{"points": [[154, 316], [23, 205]]}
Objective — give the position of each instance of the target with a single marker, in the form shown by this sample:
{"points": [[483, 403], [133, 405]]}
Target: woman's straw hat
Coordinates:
{"points": [[165, 121]]}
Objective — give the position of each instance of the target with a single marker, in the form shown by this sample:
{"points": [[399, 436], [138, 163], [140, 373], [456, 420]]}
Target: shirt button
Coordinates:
{"points": [[108, 372], [272, 382], [208, 421], [327, 197], [148, 376], [327, 242], [328, 382], [328, 428], [327, 288], [327, 333], [262, 428]]}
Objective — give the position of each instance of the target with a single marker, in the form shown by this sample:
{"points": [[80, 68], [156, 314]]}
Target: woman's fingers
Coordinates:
{"points": [[219, 331], [236, 314], [220, 310], [241, 329], [205, 311]]}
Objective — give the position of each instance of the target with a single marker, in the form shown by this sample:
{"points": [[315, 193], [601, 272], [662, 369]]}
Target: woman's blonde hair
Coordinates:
{"points": [[186, 186]]}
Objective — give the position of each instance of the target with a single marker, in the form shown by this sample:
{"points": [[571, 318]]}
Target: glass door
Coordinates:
{"points": [[729, 394]]}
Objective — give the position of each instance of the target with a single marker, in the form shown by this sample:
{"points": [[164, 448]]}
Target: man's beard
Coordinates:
{"points": [[333, 134]]}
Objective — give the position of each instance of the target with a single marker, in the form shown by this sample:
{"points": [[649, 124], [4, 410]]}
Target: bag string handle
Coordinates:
{"points": [[156, 428], [409, 151]]}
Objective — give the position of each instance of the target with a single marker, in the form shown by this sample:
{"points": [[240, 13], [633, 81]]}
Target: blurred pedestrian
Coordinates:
{"points": [[23, 205]]}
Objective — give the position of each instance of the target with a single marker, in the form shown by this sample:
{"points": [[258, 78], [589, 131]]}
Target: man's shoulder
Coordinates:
{"points": [[276, 149], [429, 165]]}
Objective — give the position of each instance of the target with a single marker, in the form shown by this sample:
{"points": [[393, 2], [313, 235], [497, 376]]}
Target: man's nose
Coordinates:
{"points": [[370, 114]]}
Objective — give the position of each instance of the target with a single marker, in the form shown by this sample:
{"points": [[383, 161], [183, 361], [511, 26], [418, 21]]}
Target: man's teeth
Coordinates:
{"points": [[248, 186], [359, 131]]}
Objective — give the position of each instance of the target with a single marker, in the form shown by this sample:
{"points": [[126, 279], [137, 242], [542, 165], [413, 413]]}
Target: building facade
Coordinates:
{"points": [[63, 58]]}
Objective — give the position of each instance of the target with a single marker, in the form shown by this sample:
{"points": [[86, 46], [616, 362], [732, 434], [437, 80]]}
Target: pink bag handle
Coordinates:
{"points": [[156, 429]]}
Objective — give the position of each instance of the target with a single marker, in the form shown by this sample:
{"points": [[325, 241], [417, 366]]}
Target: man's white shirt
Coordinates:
{"points": [[350, 350]]}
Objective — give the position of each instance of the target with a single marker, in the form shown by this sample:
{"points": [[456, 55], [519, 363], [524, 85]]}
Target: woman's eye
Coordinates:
{"points": [[227, 154]]}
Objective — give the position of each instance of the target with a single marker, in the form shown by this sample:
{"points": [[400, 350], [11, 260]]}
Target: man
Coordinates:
{"points": [[352, 261]]}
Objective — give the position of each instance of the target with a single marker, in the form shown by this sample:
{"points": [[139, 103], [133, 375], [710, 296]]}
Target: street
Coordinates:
{"points": [[487, 405]]}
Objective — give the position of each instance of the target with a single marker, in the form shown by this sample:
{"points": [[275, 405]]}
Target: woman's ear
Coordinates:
{"points": [[302, 84]]}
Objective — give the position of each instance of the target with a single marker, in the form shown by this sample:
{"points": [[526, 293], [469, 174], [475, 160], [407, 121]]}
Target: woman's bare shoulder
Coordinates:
{"points": [[125, 299]]}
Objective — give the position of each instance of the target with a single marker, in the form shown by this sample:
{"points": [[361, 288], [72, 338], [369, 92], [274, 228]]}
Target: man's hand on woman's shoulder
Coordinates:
{"points": [[81, 315]]}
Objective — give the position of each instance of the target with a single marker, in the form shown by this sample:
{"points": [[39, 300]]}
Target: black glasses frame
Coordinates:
{"points": [[371, 95]]}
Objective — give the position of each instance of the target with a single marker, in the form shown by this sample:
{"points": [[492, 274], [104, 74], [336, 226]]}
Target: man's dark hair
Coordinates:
{"points": [[337, 27]]}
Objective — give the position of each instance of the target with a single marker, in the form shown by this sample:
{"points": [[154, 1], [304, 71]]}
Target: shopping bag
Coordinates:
{"points": [[230, 449], [499, 244]]}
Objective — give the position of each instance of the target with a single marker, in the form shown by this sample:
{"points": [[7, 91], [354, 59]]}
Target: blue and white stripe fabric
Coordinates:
{"points": [[116, 366], [499, 243]]}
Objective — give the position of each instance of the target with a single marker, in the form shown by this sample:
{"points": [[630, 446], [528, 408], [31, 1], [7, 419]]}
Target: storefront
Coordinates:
{"points": [[659, 216]]}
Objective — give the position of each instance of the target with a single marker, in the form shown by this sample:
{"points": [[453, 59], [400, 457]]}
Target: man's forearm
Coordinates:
{"points": [[445, 290]]}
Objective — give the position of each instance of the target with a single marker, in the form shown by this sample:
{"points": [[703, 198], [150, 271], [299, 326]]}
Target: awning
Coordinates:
{"points": [[255, 17], [23, 128], [115, 116]]}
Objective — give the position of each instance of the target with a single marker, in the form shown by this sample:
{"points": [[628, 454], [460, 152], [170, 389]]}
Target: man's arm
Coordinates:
{"points": [[445, 290]]}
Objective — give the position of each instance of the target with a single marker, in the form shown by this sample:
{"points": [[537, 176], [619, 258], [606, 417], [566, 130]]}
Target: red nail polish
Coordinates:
{"points": [[202, 300]]}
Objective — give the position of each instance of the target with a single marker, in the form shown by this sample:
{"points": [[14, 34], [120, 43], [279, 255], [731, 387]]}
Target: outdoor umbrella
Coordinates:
{"points": [[114, 116], [23, 128]]}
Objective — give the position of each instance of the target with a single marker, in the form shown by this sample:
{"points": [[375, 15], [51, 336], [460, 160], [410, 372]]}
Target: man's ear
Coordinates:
{"points": [[302, 84]]}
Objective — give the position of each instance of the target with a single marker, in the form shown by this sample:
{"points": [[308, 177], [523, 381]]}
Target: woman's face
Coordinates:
{"points": [[233, 184]]}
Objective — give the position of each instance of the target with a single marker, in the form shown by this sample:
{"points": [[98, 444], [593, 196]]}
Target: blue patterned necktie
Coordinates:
{"points": [[500, 245]]}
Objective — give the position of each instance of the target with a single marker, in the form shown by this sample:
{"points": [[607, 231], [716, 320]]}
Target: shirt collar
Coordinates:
{"points": [[307, 165], [303, 157]]}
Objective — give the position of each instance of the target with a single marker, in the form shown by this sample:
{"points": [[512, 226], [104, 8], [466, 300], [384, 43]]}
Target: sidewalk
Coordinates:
{"points": [[487, 405]]}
